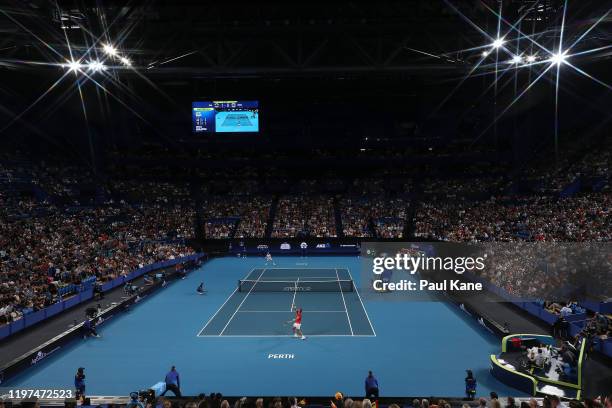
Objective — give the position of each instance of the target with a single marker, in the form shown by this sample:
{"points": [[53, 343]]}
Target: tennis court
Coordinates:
{"points": [[236, 121], [419, 348], [264, 302]]}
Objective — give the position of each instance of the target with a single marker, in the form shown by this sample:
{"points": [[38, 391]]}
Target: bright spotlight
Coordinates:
{"points": [[110, 50], [558, 59], [95, 66], [498, 43], [485, 54], [125, 61], [531, 58], [73, 65], [517, 59]]}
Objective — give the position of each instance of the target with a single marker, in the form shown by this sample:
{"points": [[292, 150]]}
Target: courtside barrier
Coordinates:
{"points": [[40, 353], [515, 379], [537, 309], [84, 292]]}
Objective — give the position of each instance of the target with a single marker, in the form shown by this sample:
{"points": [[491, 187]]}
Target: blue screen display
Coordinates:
{"points": [[225, 116]]}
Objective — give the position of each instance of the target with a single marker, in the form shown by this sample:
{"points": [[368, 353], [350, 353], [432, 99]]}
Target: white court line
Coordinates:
{"points": [[345, 309], [311, 311], [291, 278], [295, 293], [362, 305], [288, 336], [245, 298], [218, 310], [286, 311], [332, 280], [309, 269]]}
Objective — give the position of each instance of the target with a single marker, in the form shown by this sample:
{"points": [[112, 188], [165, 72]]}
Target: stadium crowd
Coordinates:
{"points": [[577, 219], [218, 400], [386, 215], [44, 252], [304, 215], [222, 214], [62, 224]]}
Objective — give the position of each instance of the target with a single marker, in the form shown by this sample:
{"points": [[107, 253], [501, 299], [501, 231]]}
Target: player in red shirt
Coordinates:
{"points": [[297, 325]]}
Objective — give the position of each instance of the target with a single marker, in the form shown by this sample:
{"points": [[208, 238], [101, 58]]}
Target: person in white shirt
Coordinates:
{"points": [[531, 354], [540, 358], [565, 311]]}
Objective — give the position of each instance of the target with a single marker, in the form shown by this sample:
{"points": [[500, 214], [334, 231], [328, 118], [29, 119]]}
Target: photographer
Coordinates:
{"points": [[135, 401]]}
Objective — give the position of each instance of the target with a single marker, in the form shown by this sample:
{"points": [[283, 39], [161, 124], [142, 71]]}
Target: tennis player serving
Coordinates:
{"points": [[297, 324]]}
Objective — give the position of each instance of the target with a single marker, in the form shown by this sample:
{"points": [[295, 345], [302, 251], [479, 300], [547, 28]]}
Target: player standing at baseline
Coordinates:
{"points": [[269, 259], [297, 325]]}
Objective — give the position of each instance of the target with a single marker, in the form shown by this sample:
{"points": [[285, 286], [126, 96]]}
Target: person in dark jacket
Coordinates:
{"points": [[79, 382], [89, 328], [371, 386], [470, 385]]}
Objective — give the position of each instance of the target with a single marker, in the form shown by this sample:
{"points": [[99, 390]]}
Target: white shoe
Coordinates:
{"points": [[303, 337], [295, 335]]}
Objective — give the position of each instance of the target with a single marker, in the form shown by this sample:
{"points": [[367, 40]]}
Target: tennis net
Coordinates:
{"points": [[336, 285]]}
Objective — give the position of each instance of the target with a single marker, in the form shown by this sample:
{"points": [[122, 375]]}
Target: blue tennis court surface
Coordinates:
{"points": [[236, 121], [414, 348], [263, 304]]}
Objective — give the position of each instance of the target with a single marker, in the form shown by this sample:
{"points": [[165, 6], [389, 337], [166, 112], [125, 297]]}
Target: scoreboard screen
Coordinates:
{"points": [[225, 117]]}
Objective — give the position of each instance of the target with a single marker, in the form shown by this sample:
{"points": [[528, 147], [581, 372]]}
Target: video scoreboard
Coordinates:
{"points": [[225, 117]]}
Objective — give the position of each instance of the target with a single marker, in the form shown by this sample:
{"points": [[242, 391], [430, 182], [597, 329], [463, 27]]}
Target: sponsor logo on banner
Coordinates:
{"points": [[41, 355], [285, 245], [262, 247]]}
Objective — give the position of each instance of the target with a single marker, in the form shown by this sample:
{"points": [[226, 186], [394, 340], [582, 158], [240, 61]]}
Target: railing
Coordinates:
{"points": [[82, 293]]}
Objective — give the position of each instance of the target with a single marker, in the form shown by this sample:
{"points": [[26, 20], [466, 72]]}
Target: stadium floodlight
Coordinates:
{"points": [[531, 58], [558, 59], [517, 59], [125, 61], [73, 65], [95, 66], [485, 54], [498, 43], [109, 50]]}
